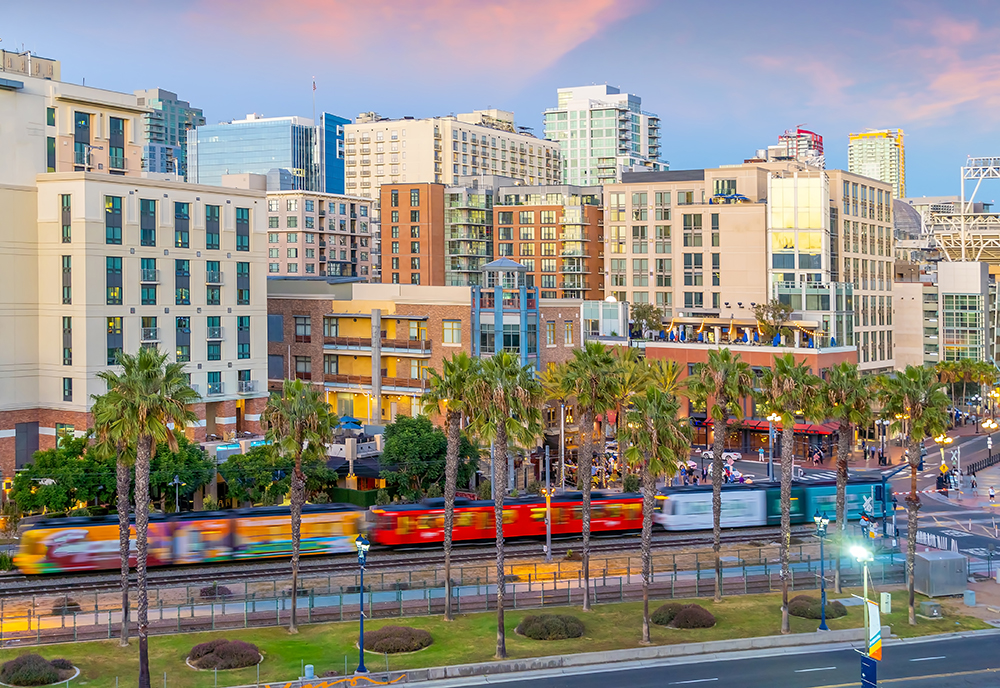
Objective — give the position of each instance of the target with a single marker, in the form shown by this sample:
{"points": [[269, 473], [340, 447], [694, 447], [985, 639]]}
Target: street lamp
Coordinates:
{"points": [[942, 442], [821, 523], [362, 544], [176, 482], [772, 418], [881, 424], [863, 556], [977, 401], [994, 396]]}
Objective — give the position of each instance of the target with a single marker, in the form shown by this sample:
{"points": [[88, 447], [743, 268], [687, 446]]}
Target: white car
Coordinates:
{"points": [[726, 455]]}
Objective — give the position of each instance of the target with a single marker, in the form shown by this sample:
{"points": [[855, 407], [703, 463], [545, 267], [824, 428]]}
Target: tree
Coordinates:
{"points": [[505, 398], [658, 441], [554, 389], [723, 381], [846, 398], [415, 455], [772, 316], [947, 373], [631, 376], [189, 463], [145, 405], [788, 389], [665, 374], [590, 378], [915, 392], [260, 476], [450, 391], [58, 479], [647, 317], [299, 424]]}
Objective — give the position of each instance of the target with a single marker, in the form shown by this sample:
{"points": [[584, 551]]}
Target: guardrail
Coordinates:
{"points": [[977, 466]]}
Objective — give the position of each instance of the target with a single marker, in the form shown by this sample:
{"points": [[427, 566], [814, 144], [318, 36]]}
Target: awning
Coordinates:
{"points": [[800, 428]]}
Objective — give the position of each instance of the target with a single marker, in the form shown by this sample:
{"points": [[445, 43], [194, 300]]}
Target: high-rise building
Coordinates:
{"points": [[603, 133], [796, 144], [165, 131], [879, 154], [413, 234], [294, 153], [85, 270], [820, 241]]}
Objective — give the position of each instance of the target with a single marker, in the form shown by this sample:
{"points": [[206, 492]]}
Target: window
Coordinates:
{"points": [[213, 296], [330, 366], [113, 280], [292, 205], [272, 205], [414, 247], [147, 222], [181, 225], [182, 282], [526, 249], [67, 340], [303, 328], [242, 284], [415, 278], [243, 350], [212, 227], [310, 206], [242, 229], [293, 253], [273, 222], [331, 326], [50, 116], [568, 333], [414, 197], [67, 227], [394, 198], [215, 351], [550, 334], [148, 294], [452, 331], [183, 339], [113, 220], [395, 247], [303, 367], [414, 263], [693, 299], [67, 279], [114, 341], [67, 387]]}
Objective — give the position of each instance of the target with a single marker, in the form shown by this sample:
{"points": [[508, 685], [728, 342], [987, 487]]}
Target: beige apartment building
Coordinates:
{"points": [[96, 258], [710, 244], [441, 149]]}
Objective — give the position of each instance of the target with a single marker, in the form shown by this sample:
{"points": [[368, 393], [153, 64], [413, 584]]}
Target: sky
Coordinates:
{"points": [[726, 77]]}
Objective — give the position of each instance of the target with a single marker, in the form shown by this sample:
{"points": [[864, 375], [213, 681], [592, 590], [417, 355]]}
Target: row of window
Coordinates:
{"points": [[147, 224], [149, 335], [292, 206]]}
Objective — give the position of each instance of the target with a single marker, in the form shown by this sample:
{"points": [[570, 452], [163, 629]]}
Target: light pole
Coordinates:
{"points": [[989, 425], [943, 441], [864, 556], [362, 544], [881, 424], [994, 396], [547, 493], [771, 420], [977, 402], [821, 523], [176, 482]]}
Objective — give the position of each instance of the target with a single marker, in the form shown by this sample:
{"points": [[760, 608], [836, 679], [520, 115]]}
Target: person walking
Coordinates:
{"points": [[760, 454], [993, 495], [975, 486]]}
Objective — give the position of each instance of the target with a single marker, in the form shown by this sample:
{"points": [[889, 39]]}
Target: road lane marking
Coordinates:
{"points": [[696, 680], [926, 659], [802, 671], [855, 684]]}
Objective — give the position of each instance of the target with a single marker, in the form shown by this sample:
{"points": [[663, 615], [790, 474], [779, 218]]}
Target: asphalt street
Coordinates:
{"points": [[967, 661]]}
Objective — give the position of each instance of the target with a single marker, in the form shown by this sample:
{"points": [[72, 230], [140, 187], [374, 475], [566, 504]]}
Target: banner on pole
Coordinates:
{"points": [[874, 631]]}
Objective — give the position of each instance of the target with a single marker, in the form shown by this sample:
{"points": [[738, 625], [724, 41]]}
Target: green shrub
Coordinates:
{"points": [[209, 504], [807, 607], [62, 664], [6, 562], [550, 627], [82, 511], [485, 490], [693, 616], [224, 654], [630, 483], [382, 497], [393, 639], [434, 491], [666, 613], [28, 670]]}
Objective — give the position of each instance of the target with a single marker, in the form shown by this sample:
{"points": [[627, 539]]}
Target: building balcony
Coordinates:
{"points": [[214, 333], [149, 334], [117, 162], [403, 383], [322, 211], [213, 277], [339, 380], [575, 269], [149, 276], [419, 346], [247, 386], [351, 343], [82, 158], [574, 252], [303, 338], [215, 389]]}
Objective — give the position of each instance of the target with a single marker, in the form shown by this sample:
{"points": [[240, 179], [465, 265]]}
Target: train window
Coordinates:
{"points": [[613, 511], [509, 516], [463, 520], [403, 525], [538, 514]]}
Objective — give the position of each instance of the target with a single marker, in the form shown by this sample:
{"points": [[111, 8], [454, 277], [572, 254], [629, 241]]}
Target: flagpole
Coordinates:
{"points": [[314, 101]]}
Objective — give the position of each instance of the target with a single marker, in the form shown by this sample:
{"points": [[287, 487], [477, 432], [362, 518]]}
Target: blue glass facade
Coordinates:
{"points": [[505, 313], [332, 151]]}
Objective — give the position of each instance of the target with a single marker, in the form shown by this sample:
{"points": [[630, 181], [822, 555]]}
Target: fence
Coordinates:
{"points": [[977, 466], [344, 604]]}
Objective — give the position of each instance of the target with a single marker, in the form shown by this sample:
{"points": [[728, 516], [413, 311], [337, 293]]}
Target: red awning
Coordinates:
{"points": [[800, 428]]}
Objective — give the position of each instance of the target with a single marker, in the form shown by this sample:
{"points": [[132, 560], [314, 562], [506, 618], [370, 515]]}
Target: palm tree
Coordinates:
{"points": [[147, 403], [846, 399], [631, 376], [451, 391], [590, 377], [666, 375], [918, 393], [788, 389], [299, 424], [105, 447], [724, 380], [659, 440], [947, 373], [553, 380], [505, 397]]}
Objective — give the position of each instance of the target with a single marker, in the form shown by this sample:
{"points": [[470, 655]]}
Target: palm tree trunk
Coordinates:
{"points": [[143, 455], [844, 434], [450, 486], [912, 512], [298, 499], [718, 444], [584, 465], [648, 503], [124, 480], [500, 483], [787, 462]]}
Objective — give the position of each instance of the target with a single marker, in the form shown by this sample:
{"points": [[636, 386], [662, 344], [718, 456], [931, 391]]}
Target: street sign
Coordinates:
{"points": [[869, 672], [869, 504], [944, 469]]}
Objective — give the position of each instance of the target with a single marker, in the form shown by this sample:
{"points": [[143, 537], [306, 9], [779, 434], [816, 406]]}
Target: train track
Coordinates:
{"points": [[19, 585]]}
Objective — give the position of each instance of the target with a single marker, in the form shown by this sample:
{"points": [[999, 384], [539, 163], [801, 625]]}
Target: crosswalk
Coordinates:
{"points": [[816, 476]]}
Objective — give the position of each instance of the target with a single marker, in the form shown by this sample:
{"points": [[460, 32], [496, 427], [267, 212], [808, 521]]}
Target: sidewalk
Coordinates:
{"points": [[984, 479]]}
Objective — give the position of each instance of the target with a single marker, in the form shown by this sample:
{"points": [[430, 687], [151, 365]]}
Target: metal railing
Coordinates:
{"points": [[149, 275], [150, 334], [214, 333], [215, 388], [247, 386], [213, 277]]}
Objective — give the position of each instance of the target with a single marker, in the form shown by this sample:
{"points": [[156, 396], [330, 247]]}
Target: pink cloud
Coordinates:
{"points": [[493, 37]]}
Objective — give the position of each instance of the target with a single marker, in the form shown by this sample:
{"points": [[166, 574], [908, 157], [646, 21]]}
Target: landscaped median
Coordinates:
{"points": [[468, 640]]}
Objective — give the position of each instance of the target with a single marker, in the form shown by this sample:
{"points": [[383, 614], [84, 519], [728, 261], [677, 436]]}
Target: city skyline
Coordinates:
{"points": [[724, 81]]}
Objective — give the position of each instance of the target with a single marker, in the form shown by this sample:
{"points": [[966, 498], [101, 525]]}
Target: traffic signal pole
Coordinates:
{"points": [[886, 494]]}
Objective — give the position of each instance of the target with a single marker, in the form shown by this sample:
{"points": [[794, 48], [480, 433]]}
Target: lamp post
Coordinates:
{"points": [[881, 424], [989, 425], [771, 420], [362, 544], [547, 493], [821, 523], [942, 442], [176, 482], [863, 556], [977, 402], [994, 396]]}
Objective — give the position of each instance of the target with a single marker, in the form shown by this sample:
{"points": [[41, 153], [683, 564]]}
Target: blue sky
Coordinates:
{"points": [[725, 77]]}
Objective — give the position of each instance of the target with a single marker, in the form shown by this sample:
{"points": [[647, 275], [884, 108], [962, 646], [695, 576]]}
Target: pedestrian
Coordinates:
{"points": [[760, 454], [993, 495], [975, 487]]}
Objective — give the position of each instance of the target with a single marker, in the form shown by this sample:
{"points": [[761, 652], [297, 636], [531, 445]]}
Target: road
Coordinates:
{"points": [[971, 661]]}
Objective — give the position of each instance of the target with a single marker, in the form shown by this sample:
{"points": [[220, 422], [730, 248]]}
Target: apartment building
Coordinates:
{"points": [[441, 150], [165, 130], [603, 133], [754, 232], [413, 234], [557, 234], [312, 233], [97, 259], [879, 154]]}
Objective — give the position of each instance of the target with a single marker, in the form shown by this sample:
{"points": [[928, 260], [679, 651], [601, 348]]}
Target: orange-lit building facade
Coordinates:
{"points": [[413, 233]]}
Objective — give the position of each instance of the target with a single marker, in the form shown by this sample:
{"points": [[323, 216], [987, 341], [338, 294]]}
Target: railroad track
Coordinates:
{"points": [[19, 585]]}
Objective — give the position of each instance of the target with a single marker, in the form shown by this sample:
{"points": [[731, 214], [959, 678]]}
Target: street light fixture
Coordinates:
{"points": [[821, 523], [977, 402], [363, 545], [176, 482], [772, 418], [863, 556]]}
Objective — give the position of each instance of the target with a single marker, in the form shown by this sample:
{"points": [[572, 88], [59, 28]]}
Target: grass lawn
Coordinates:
{"points": [[471, 638]]}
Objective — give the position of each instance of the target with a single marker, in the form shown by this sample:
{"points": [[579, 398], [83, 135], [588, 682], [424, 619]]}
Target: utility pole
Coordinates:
{"points": [[548, 510]]}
